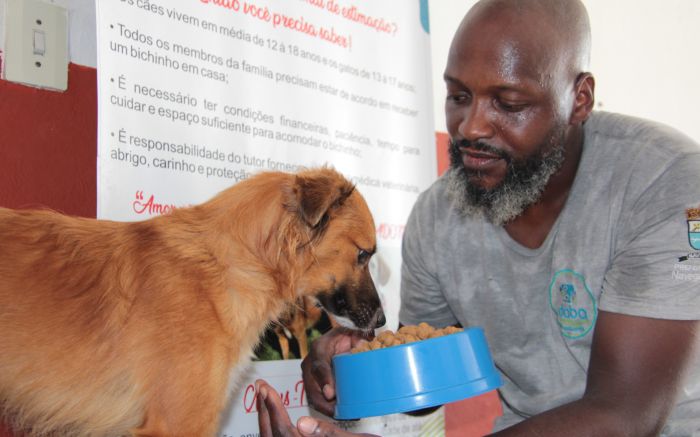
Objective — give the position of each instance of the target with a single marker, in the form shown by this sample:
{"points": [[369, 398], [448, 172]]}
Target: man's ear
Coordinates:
{"points": [[585, 98], [317, 192]]}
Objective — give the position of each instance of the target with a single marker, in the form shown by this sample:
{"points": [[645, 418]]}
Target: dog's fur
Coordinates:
{"points": [[110, 328]]}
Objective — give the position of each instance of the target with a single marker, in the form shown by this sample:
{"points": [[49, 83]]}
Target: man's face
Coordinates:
{"points": [[506, 116], [521, 186]]}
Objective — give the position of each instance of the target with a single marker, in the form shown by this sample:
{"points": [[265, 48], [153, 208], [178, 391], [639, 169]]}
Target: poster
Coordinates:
{"points": [[197, 95]]}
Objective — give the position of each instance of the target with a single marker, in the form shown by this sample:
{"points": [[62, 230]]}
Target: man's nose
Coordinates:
{"points": [[477, 121]]}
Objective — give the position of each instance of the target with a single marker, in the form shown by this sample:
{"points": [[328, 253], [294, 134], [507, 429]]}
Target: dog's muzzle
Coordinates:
{"points": [[358, 309]]}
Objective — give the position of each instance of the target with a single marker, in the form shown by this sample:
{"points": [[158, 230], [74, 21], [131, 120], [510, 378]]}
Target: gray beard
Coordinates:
{"points": [[523, 185]]}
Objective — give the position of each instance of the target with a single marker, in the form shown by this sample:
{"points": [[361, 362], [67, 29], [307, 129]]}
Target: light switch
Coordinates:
{"points": [[39, 42], [36, 44]]}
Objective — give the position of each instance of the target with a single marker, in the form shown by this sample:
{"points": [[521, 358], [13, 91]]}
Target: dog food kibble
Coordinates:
{"points": [[405, 334]]}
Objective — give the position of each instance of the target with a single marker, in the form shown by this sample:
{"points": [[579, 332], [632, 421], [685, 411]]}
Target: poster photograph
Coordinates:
{"points": [[197, 95]]}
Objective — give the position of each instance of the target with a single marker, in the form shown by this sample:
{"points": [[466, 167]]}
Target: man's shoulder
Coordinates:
{"points": [[631, 151], [638, 133]]}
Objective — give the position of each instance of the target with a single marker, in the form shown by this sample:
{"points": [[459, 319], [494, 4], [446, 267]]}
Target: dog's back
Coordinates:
{"points": [[46, 292]]}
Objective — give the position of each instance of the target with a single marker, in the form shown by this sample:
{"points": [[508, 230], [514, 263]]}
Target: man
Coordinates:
{"points": [[567, 234]]}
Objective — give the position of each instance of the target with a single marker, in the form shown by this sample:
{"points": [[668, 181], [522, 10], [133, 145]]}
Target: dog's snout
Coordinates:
{"points": [[379, 319]]}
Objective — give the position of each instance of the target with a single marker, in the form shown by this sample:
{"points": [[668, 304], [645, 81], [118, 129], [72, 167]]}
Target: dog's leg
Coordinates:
{"points": [[284, 344], [186, 400], [181, 420], [168, 417], [298, 329], [303, 344]]}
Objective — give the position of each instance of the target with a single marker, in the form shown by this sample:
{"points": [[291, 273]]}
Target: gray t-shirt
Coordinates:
{"points": [[623, 243]]}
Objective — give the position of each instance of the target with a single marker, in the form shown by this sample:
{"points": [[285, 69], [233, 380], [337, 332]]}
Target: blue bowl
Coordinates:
{"points": [[412, 376]]}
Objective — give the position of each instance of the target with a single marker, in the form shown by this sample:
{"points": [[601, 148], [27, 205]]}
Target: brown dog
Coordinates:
{"points": [[111, 329]]}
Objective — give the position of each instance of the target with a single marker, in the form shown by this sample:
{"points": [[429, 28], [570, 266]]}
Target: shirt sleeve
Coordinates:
{"points": [[653, 272], [422, 296]]}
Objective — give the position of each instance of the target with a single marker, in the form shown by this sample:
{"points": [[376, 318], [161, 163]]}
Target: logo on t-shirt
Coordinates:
{"points": [[693, 217], [573, 303]]}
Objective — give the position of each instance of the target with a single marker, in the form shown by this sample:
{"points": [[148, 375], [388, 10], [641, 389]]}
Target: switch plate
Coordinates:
{"points": [[32, 22]]}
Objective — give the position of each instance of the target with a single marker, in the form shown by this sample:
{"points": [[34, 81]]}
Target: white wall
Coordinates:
{"points": [[646, 57], [82, 40]]}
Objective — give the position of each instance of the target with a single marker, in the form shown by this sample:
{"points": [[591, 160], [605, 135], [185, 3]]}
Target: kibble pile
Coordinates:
{"points": [[405, 334]]}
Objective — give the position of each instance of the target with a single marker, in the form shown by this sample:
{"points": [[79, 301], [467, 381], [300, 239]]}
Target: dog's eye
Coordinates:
{"points": [[363, 256]]}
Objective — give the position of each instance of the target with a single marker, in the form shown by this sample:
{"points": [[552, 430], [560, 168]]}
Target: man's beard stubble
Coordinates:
{"points": [[522, 186]]}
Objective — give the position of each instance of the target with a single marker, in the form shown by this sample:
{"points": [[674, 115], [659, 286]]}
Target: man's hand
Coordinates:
{"points": [[317, 370], [274, 421]]}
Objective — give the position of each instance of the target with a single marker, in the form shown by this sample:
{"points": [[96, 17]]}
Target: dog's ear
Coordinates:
{"points": [[317, 192]]}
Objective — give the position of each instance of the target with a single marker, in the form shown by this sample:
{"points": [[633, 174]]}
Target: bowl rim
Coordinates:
{"points": [[465, 331]]}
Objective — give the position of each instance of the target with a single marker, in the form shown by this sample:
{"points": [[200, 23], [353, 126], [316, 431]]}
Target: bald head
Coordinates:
{"points": [[554, 35]]}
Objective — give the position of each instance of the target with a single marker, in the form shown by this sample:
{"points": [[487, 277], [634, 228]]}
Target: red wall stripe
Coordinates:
{"points": [[48, 145]]}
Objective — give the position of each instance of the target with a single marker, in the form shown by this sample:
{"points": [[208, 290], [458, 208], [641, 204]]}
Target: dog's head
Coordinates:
{"points": [[337, 240]]}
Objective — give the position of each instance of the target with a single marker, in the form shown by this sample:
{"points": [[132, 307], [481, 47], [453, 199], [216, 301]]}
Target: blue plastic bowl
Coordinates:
{"points": [[412, 376]]}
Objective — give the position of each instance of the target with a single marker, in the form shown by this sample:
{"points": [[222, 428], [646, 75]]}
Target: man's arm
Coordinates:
{"points": [[635, 372]]}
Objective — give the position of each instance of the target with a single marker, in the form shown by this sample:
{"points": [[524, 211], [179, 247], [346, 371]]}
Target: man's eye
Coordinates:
{"points": [[511, 107], [458, 98], [363, 256]]}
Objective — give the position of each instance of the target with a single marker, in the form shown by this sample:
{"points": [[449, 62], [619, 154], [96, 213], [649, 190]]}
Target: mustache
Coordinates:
{"points": [[455, 147]]}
